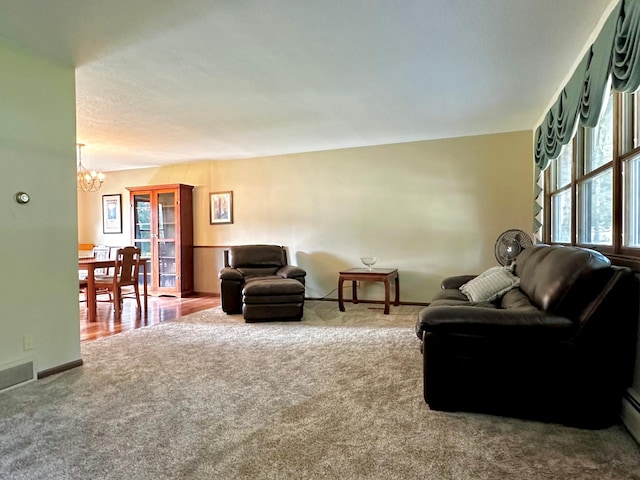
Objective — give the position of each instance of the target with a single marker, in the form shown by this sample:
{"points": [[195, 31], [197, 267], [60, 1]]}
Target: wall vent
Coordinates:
{"points": [[15, 374]]}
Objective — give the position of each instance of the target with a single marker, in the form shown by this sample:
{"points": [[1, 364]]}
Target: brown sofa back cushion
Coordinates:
{"points": [[561, 279], [251, 257]]}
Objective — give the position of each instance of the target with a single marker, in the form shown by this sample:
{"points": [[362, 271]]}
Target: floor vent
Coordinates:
{"points": [[14, 374]]}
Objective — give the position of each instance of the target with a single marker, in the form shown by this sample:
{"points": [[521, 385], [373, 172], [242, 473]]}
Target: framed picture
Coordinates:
{"points": [[221, 207], [112, 213]]}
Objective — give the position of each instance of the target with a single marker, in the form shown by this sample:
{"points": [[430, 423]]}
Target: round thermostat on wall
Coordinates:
{"points": [[22, 197]]}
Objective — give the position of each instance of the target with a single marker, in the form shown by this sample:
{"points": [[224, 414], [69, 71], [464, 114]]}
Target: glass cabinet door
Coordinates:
{"points": [[166, 237], [142, 227]]}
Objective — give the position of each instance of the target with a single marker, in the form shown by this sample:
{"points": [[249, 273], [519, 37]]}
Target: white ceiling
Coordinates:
{"points": [[166, 81]]}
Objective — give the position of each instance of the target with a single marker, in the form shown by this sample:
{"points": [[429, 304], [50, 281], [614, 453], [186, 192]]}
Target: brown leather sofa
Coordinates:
{"points": [[560, 347], [258, 282]]}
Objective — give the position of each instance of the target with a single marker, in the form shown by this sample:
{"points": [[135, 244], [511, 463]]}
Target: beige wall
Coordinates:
{"points": [[38, 286], [430, 208]]}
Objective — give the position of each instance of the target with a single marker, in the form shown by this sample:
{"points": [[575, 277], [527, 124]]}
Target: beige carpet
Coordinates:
{"points": [[326, 313], [338, 395]]}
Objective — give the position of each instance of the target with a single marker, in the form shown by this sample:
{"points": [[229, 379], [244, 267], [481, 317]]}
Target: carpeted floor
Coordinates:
{"points": [[338, 395]]}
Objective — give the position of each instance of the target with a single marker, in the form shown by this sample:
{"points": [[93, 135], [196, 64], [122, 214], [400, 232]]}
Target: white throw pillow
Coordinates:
{"points": [[490, 284], [497, 268]]}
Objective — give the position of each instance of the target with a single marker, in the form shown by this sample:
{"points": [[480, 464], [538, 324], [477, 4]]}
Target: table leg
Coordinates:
{"points": [[354, 291], [340, 294], [397, 302], [91, 294], [386, 296], [144, 284]]}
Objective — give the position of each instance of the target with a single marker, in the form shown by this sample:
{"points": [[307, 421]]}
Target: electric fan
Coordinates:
{"points": [[510, 244]]}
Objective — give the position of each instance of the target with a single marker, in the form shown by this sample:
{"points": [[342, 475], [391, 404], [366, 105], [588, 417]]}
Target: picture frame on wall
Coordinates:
{"points": [[220, 207], [112, 213]]}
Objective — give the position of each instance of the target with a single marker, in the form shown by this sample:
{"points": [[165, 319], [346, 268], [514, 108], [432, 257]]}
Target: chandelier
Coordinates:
{"points": [[88, 181]]}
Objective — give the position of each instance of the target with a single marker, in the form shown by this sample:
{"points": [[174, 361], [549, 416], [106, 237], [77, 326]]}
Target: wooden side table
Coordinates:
{"points": [[355, 275]]}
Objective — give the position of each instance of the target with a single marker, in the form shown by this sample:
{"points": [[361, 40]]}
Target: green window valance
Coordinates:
{"points": [[626, 49], [613, 61]]}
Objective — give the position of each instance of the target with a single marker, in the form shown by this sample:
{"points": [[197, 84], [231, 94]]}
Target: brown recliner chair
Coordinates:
{"points": [[258, 282]]}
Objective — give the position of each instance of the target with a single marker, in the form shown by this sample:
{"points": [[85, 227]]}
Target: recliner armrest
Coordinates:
{"points": [[291, 271], [479, 321], [228, 273], [456, 281]]}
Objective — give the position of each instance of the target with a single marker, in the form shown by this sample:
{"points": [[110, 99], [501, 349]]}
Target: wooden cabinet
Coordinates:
{"points": [[162, 226]]}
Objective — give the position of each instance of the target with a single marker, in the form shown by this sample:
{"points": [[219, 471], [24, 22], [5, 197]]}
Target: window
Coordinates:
{"points": [[592, 190], [631, 171], [599, 141], [595, 190], [596, 213], [561, 195], [561, 227]]}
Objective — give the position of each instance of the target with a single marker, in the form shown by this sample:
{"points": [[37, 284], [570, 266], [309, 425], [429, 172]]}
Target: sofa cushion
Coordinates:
{"points": [[272, 286], [490, 285], [558, 278], [249, 272], [515, 299], [257, 256], [474, 320]]}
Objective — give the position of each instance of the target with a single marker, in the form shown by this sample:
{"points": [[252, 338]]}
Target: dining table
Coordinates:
{"points": [[90, 264]]}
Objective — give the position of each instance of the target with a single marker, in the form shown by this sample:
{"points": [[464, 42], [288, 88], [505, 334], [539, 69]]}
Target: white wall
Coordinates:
{"points": [[430, 208], [38, 285]]}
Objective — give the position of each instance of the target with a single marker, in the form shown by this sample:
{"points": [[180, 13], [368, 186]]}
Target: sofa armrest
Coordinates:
{"points": [[228, 273], [291, 271], [479, 321], [456, 281]]}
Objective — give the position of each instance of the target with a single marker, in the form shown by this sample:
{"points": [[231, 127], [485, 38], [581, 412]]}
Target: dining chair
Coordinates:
{"points": [[102, 252], [125, 274], [83, 284], [85, 250], [89, 250]]}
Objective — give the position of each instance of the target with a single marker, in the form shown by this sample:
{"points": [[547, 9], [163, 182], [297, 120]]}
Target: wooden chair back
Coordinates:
{"points": [[127, 266]]}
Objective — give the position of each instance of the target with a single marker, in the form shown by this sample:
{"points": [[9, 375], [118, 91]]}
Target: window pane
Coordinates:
{"points": [[142, 212], [600, 140], [561, 217], [632, 202], [596, 213], [636, 119], [563, 166]]}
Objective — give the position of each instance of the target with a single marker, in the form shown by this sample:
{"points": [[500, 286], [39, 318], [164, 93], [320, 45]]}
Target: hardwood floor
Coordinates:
{"points": [[160, 309]]}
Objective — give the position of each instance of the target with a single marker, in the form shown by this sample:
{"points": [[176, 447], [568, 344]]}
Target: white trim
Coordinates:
{"points": [[18, 363]]}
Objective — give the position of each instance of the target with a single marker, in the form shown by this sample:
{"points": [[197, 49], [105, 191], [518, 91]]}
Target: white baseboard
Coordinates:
{"points": [[631, 413], [17, 373]]}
